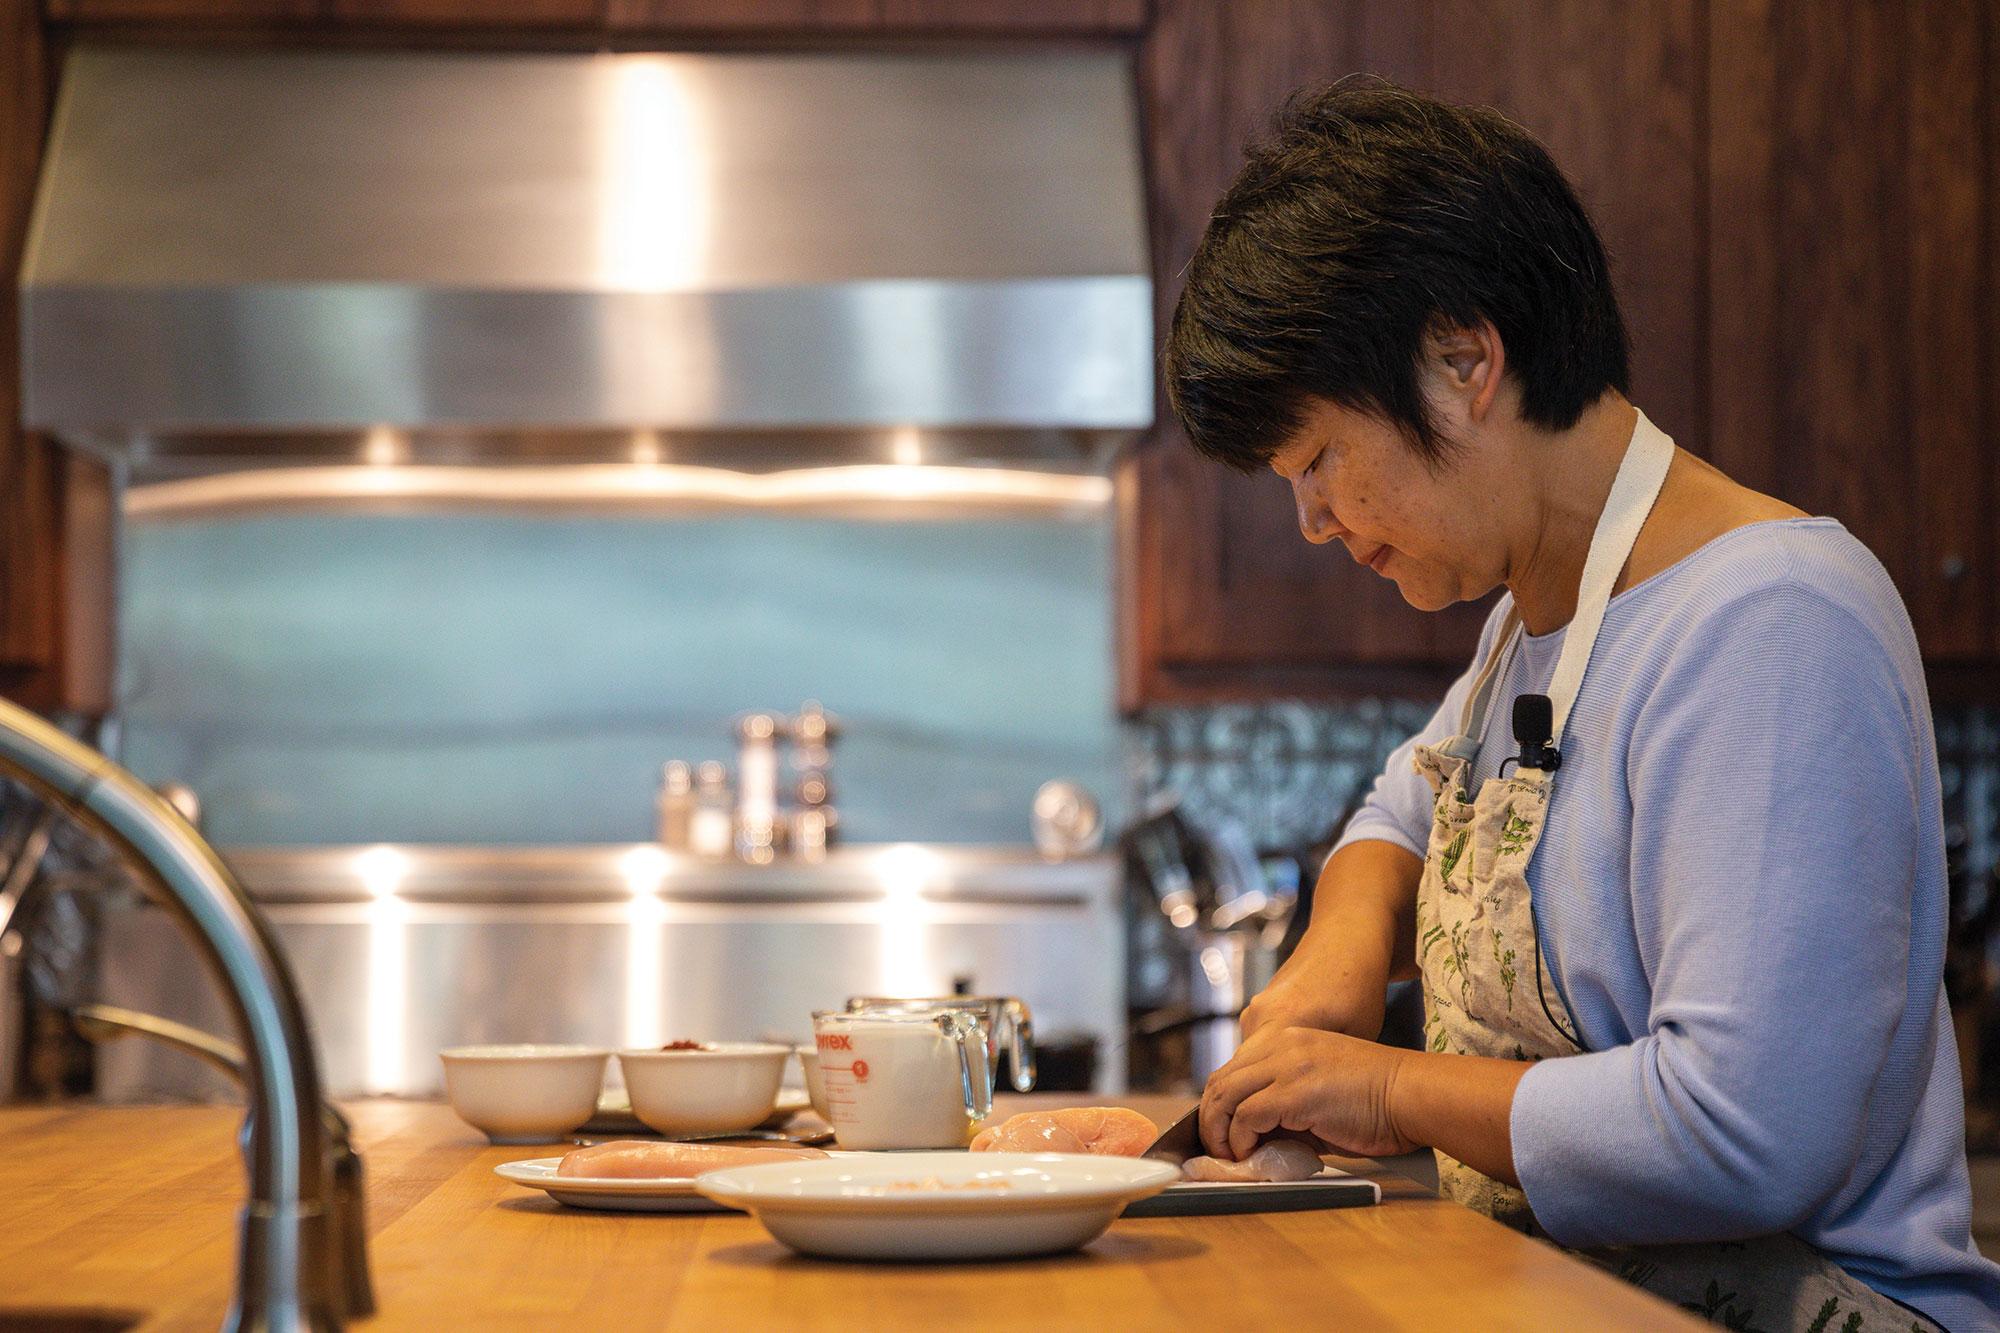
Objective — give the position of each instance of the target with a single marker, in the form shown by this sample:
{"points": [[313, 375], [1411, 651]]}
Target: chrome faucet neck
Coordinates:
{"points": [[289, 1248]]}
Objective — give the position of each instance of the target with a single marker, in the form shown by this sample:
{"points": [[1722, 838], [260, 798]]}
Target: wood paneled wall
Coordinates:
{"points": [[1852, 237], [789, 18], [34, 615]]}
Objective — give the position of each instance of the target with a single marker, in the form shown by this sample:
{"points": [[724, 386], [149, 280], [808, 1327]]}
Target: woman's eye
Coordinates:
{"points": [[1314, 465]]}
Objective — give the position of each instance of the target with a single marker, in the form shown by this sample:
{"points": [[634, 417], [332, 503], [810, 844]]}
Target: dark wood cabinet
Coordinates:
{"points": [[912, 17], [1802, 201], [55, 543], [476, 13], [669, 17], [747, 15]]}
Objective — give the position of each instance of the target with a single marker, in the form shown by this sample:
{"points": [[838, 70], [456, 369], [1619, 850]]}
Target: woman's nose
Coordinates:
{"points": [[1315, 515]]}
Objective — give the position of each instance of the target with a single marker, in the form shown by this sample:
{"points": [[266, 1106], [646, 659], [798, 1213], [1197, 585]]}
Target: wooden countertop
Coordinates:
{"points": [[133, 1209]]}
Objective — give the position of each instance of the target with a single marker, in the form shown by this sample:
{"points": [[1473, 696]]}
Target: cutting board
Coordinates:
{"points": [[1192, 1199]]}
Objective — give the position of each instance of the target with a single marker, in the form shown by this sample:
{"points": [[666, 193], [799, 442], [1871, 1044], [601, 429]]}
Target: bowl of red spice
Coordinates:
{"points": [[704, 1087]]}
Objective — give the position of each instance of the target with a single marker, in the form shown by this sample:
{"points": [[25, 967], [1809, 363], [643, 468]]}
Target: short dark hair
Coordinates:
{"points": [[1373, 216]]}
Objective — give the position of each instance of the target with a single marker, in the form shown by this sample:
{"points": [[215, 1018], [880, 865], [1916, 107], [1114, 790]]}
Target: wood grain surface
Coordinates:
{"points": [[133, 1209]]}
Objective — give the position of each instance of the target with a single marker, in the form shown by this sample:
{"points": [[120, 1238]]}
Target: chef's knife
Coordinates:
{"points": [[1181, 1141]]}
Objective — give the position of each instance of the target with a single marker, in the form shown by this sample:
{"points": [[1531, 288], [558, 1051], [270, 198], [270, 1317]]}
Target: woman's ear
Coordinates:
{"points": [[1471, 362]]}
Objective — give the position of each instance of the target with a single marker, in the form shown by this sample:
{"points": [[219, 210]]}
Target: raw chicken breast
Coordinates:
{"points": [[1273, 1159], [1108, 1131], [630, 1158]]}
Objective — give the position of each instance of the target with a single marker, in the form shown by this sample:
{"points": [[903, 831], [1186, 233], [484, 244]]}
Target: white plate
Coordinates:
{"points": [[622, 1194], [984, 1205]]}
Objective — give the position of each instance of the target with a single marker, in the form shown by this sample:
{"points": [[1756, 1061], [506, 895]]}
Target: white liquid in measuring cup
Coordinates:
{"points": [[892, 1083]]}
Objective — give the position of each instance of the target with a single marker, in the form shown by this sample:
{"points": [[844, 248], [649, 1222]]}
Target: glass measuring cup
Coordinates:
{"points": [[903, 1080], [1006, 1019]]}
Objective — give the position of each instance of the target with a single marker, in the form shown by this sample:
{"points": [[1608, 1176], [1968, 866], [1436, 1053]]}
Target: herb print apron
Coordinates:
{"points": [[1487, 993]]}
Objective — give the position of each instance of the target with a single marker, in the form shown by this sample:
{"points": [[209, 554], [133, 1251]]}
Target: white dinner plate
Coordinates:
{"points": [[938, 1205], [621, 1194]]}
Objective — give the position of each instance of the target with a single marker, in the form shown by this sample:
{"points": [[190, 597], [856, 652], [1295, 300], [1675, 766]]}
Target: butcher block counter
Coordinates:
{"points": [[131, 1211]]}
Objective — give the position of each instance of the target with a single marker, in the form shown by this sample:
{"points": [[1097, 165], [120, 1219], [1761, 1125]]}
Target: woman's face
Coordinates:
{"points": [[1431, 529]]}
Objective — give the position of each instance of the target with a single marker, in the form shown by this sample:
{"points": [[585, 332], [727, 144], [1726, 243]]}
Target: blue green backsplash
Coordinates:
{"points": [[512, 678]]}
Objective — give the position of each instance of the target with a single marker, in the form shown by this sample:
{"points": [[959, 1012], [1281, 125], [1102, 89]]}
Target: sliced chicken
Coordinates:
{"points": [[1107, 1131], [630, 1158], [1273, 1159]]}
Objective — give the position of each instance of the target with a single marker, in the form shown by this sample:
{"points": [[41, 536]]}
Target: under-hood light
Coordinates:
{"points": [[876, 487], [384, 447]]}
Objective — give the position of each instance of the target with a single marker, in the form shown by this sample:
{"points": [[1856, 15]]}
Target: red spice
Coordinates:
{"points": [[687, 1046]]}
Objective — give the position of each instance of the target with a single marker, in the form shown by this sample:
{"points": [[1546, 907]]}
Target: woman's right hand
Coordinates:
{"points": [[1362, 937]]}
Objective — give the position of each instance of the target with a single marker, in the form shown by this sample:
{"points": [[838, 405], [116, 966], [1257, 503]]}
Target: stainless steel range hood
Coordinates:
{"points": [[720, 255]]}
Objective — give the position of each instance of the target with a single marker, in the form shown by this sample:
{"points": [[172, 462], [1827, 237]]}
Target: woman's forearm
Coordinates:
{"points": [[1460, 1104], [1362, 936], [1365, 904]]}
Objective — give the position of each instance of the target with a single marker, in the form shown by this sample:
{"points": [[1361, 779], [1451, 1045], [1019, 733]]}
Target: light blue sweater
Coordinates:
{"points": [[1741, 896]]}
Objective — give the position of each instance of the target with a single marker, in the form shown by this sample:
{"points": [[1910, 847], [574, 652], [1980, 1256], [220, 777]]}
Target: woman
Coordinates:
{"points": [[1681, 939]]}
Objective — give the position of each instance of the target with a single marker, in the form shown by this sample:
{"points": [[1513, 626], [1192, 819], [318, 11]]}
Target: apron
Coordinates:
{"points": [[1486, 991]]}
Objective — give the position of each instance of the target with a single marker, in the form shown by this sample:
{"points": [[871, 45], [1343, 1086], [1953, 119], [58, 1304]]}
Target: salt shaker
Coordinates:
{"points": [[711, 822], [757, 737], [676, 805], [813, 820]]}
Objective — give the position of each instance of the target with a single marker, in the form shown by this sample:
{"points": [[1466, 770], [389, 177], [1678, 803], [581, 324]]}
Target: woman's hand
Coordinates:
{"points": [[1363, 1099], [1339, 1088]]}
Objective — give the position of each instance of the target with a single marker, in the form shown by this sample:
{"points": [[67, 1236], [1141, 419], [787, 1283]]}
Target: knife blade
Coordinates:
{"points": [[1181, 1140]]}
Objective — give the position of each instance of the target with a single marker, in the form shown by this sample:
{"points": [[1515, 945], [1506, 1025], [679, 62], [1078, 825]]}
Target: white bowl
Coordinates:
{"points": [[982, 1206], [732, 1085], [815, 1090], [524, 1094]]}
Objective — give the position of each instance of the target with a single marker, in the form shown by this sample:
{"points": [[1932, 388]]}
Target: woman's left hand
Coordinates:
{"points": [[1336, 1087]]}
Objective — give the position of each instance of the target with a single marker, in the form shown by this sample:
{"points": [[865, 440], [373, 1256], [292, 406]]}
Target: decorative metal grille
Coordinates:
{"points": [[1288, 771], [1968, 740]]}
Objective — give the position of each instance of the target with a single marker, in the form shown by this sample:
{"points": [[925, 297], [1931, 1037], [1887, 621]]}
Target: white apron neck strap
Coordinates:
{"points": [[1637, 486], [1472, 717]]}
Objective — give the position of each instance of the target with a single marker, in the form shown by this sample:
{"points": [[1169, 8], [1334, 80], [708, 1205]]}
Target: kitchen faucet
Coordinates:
{"points": [[291, 1270], [102, 1023]]}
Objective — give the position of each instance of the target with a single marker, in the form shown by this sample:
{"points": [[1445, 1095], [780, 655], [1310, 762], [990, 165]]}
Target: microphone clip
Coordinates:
{"points": [[1534, 728]]}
